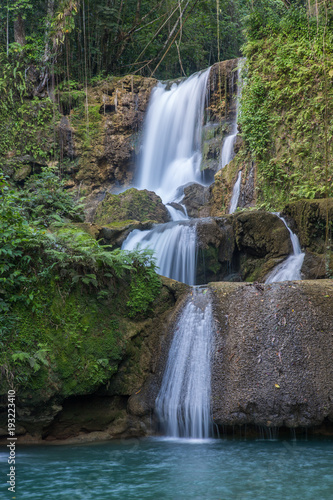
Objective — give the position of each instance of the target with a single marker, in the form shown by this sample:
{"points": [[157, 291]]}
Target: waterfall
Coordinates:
{"points": [[171, 150], [235, 194], [289, 269], [175, 248], [183, 403], [170, 159]]}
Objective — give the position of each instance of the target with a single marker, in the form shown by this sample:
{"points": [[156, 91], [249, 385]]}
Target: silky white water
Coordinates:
{"points": [[174, 245], [289, 269], [235, 194], [183, 403], [170, 159], [171, 150]]}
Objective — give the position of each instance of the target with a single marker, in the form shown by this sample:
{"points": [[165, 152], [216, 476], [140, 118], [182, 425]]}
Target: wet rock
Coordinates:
{"points": [[115, 236], [260, 233], [314, 266], [243, 246], [312, 221], [195, 198]]}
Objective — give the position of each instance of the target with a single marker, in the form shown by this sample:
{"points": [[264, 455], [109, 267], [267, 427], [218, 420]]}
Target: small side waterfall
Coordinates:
{"points": [[183, 403], [289, 269], [227, 152], [235, 194]]}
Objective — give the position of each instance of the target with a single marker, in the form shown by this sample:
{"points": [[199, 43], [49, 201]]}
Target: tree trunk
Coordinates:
{"points": [[19, 30]]}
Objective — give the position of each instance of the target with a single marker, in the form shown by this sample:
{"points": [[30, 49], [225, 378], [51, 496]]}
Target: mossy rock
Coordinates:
{"points": [[132, 204], [262, 234], [310, 217]]}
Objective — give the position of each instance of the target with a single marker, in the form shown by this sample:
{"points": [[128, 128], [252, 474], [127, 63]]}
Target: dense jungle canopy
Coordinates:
{"points": [[88, 38]]}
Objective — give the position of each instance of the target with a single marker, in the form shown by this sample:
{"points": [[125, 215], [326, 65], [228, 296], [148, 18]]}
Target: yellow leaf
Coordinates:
{"points": [[277, 386], [330, 72]]}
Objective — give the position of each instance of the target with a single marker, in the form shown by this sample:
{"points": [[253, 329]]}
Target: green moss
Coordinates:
{"points": [[282, 113], [130, 205], [83, 338]]}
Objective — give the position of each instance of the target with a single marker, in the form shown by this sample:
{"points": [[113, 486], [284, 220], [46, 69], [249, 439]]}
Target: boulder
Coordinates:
{"points": [[195, 198], [133, 204]]}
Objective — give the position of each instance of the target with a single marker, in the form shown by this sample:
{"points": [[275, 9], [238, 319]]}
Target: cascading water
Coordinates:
{"points": [[170, 159], [174, 245], [171, 151], [183, 403], [289, 269], [235, 194]]}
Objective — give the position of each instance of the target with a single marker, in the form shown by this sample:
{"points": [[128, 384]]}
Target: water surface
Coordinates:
{"points": [[175, 469]]}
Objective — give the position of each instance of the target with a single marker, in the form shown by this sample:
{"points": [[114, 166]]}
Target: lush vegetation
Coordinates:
{"points": [[58, 286], [286, 117], [62, 295]]}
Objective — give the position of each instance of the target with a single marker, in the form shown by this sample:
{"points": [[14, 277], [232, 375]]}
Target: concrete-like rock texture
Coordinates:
{"points": [[272, 362]]}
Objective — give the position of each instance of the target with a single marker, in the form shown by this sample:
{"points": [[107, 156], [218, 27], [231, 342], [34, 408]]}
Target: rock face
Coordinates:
{"points": [[104, 134], [273, 354], [240, 247], [133, 204], [272, 359]]}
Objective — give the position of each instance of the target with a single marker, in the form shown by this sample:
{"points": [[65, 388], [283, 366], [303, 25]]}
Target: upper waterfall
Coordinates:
{"points": [[171, 150], [170, 159]]}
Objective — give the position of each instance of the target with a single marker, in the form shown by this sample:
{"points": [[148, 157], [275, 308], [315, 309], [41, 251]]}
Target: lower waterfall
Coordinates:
{"points": [[183, 403]]}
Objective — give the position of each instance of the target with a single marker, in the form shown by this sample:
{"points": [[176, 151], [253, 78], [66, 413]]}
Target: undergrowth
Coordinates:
{"points": [[62, 294]]}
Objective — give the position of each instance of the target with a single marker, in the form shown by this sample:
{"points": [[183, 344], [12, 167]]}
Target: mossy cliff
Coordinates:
{"points": [[91, 357], [286, 118]]}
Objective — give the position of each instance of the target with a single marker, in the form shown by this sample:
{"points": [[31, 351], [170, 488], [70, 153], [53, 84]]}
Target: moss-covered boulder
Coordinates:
{"points": [[133, 204], [243, 246]]}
